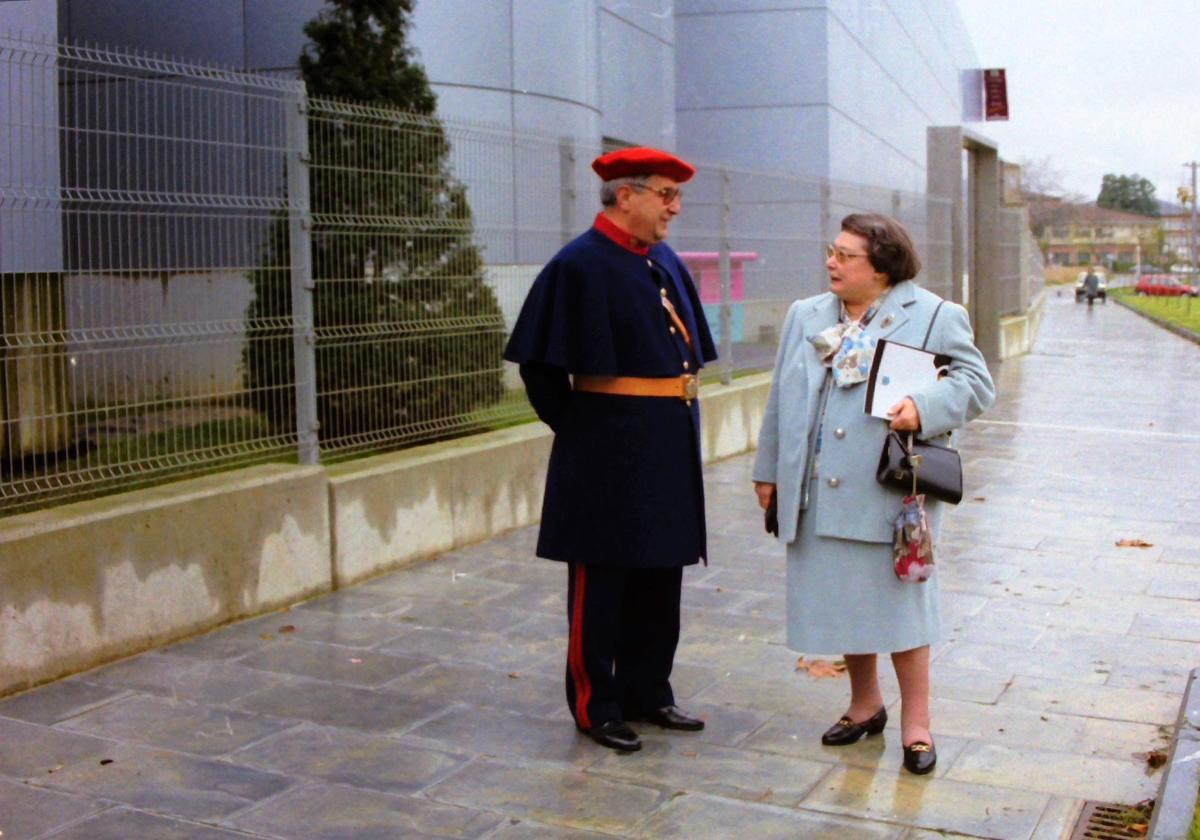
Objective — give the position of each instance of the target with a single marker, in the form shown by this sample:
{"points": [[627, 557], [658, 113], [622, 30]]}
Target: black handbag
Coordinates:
{"points": [[917, 466], [771, 515], [937, 473]]}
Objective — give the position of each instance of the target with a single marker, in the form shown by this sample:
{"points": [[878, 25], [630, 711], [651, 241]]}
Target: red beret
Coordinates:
{"points": [[642, 160]]}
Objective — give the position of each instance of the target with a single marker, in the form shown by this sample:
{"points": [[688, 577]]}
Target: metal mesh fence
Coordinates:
{"points": [[202, 268]]}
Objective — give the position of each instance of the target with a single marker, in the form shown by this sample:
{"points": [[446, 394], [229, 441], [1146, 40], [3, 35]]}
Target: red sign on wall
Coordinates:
{"points": [[995, 93]]}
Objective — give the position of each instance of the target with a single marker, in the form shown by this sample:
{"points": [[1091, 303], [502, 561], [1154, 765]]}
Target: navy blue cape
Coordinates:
{"points": [[624, 485]]}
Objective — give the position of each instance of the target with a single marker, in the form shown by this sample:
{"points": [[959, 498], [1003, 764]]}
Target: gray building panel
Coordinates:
{"points": [[772, 58], [637, 83], [655, 17], [275, 32], [790, 140], [211, 32]]}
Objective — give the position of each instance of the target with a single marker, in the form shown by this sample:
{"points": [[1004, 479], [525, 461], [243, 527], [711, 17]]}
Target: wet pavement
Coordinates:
{"points": [[428, 702]]}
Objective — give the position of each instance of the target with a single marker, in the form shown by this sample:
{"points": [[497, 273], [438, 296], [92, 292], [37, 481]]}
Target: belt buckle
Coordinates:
{"points": [[691, 386]]}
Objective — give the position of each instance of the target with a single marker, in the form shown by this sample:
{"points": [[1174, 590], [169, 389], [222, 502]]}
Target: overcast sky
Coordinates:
{"points": [[1096, 85]]}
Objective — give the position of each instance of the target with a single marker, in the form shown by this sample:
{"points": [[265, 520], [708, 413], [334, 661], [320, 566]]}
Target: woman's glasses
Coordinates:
{"points": [[841, 254]]}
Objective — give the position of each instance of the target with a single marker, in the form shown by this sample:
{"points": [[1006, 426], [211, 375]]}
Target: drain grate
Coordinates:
{"points": [[1103, 821]]}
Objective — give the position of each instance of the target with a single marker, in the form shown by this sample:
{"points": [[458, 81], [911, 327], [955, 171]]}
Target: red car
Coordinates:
{"points": [[1164, 284]]}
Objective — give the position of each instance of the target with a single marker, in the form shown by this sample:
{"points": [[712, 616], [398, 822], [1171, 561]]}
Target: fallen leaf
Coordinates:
{"points": [[765, 795], [266, 637], [288, 628], [1156, 759], [821, 668], [689, 753], [1134, 543], [981, 498], [106, 761], [55, 768], [720, 589], [514, 675], [1045, 718], [355, 661], [1138, 828]]}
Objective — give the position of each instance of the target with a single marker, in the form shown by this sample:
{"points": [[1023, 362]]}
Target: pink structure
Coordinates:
{"points": [[705, 267]]}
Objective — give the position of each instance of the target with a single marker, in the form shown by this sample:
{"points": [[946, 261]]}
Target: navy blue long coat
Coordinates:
{"points": [[624, 485]]}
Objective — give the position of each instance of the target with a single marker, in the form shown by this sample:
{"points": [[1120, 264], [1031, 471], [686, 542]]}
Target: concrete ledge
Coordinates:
{"points": [[1018, 332], [731, 416], [1176, 800], [91, 581], [388, 510]]}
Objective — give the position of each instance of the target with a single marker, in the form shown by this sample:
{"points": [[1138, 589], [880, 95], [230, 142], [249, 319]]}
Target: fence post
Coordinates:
{"points": [[304, 338], [726, 284], [567, 182]]}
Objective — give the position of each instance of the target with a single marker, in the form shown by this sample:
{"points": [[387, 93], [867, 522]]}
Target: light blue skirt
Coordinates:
{"points": [[843, 597]]}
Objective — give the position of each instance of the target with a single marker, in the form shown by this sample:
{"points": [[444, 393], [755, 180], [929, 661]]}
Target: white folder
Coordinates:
{"points": [[899, 371]]}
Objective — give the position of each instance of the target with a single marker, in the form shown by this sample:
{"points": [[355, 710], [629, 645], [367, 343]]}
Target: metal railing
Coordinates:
{"points": [[202, 268]]}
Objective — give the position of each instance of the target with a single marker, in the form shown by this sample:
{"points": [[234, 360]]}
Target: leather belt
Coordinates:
{"points": [[685, 387]]}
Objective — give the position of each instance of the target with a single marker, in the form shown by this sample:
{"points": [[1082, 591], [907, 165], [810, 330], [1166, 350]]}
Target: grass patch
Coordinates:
{"points": [[1194, 833], [1181, 311]]}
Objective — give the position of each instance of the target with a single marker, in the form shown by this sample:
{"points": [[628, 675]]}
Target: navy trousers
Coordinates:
{"points": [[624, 628]]}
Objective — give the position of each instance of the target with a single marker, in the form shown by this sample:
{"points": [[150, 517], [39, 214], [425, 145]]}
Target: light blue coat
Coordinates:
{"points": [[852, 439]]}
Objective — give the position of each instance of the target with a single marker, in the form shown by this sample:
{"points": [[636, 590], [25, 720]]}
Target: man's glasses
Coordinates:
{"points": [[840, 254], [667, 194]]}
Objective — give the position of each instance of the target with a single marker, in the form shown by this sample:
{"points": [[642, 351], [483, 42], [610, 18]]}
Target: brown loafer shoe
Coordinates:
{"points": [[672, 717], [616, 735], [846, 731], [920, 758]]}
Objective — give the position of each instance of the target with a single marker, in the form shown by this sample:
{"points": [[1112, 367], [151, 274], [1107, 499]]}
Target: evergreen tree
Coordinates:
{"points": [[1131, 193], [409, 335]]}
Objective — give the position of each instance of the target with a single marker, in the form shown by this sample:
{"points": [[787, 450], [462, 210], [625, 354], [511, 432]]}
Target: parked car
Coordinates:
{"points": [[1164, 285], [1101, 293]]}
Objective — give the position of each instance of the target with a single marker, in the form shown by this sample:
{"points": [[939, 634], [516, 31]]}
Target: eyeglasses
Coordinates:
{"points": [[667, 194], [840, 254]]}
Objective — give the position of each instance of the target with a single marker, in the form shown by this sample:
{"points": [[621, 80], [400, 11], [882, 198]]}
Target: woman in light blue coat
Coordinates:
{"points": [[817, 455]]}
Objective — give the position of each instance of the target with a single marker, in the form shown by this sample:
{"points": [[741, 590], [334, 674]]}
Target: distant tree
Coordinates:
{"points": [[409, 334], [1131, 193]]}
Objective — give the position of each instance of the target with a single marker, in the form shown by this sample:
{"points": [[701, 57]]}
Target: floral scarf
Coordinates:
{"points": [[845, 350]]}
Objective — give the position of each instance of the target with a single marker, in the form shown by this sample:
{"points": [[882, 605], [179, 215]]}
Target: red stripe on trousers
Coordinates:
{"points": [[583, 686]]}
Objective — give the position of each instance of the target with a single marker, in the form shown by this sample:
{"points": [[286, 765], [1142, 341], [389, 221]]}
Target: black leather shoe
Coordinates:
{"points": [[616, 735], [672, 717], [846, 731], [920, 758]]}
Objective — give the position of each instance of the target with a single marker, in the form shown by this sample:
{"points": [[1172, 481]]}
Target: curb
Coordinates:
{"points": [[1176, 801], [1182, 332]]}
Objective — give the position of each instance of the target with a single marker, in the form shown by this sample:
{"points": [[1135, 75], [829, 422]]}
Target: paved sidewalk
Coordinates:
{"points": [[428, 703]]}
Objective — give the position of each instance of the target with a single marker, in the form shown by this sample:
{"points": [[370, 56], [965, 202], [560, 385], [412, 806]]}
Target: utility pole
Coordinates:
{"points": [[1193, 257]]}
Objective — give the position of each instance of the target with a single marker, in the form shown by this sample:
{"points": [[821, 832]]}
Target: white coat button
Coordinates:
{"points": [[650, 263], [835, 482], [662, 292], [685, 365], [672, 329], [839, 433]]}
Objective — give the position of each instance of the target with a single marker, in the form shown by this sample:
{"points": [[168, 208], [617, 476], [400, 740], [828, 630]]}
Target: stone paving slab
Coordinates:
{"points": [[428, 702]]}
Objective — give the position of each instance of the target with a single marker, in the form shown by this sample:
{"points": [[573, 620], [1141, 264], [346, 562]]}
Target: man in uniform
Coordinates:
{"points": [[609, 342]]}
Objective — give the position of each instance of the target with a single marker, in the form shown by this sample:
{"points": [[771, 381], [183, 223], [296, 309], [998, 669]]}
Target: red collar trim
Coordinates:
{"points": [[619, 235]]}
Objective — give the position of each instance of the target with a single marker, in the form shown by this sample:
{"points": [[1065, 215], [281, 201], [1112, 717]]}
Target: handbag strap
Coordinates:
{"points": [[931, 320]]}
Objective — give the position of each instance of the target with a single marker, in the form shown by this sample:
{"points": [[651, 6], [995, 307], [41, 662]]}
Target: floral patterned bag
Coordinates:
{"points": [[912, 545]]}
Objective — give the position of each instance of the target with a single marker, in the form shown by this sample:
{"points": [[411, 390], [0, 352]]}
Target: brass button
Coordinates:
{"points": [[672, 329], [663, 292], [839, 433], [835, 482], [685, 365]]}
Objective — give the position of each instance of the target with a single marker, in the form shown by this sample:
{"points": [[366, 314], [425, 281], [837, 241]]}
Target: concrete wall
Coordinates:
{"points": [[95, 580], [88, 582]]}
